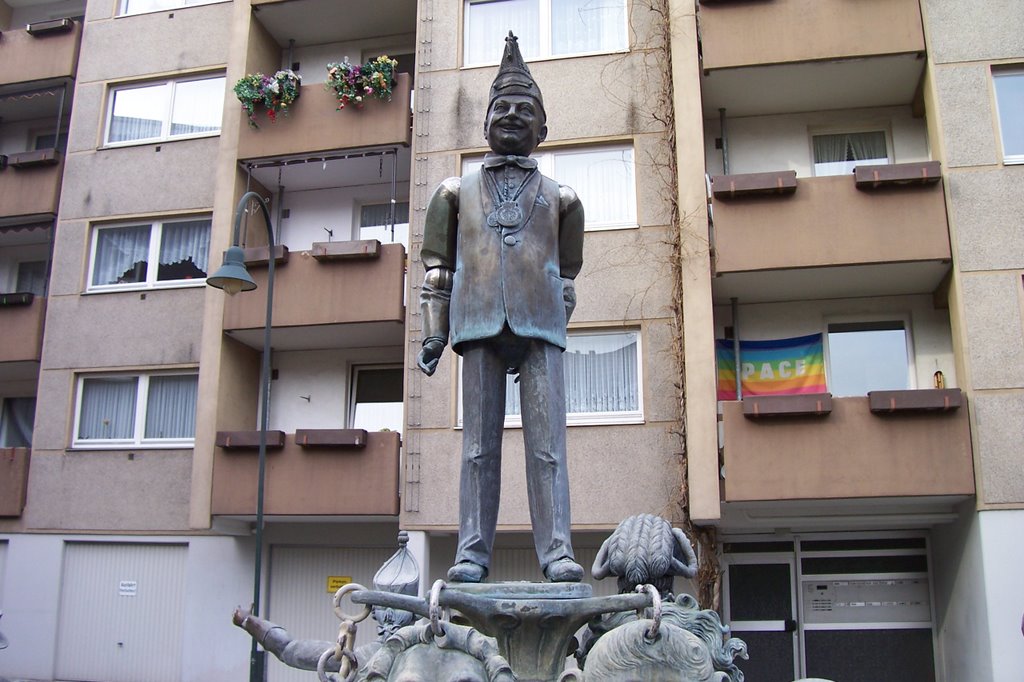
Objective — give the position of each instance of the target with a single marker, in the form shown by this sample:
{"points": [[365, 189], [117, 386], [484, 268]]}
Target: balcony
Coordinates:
{"points": [[907, 448], [331, 475], [30, 189], [22, 337], [780, 238], [797, 55], [13, 480], [327, 297], [48, 52], [314, 125]]}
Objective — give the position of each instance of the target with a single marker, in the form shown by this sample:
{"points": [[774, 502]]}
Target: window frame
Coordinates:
{"points": [[138, 439], [867, 321], [515, 421], [153, 262], [544, 30], [546, 165], [166, 121], [1008, 159], [122, 7], [880, 127], [355, 369]]}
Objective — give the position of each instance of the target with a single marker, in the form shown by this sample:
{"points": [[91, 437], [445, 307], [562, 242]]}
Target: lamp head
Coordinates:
{"points": [[232, 276]]}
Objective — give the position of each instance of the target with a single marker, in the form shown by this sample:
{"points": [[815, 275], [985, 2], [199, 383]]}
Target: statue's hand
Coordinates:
{"points": [[429, 355]]}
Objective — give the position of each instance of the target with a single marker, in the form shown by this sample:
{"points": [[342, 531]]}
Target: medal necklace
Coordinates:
{"points": [[507, 212]]}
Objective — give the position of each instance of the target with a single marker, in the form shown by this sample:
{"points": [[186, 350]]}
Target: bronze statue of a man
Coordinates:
{"points": [[501, 247]]}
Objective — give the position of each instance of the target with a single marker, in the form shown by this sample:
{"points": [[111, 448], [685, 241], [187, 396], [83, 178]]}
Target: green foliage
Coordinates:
{"points": [[274, 93], [354, 83]]}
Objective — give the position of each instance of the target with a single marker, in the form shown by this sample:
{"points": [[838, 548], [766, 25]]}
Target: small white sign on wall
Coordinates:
{"points": [[128, 588]]}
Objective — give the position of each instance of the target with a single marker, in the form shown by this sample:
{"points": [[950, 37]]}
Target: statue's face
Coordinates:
{"points": [[515, 125]]}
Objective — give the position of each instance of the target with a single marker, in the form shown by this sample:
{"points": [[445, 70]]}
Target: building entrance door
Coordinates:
{"points": [[760, 606]]}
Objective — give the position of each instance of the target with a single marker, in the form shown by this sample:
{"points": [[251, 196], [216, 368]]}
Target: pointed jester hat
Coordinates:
{"points": [[513, 77]]}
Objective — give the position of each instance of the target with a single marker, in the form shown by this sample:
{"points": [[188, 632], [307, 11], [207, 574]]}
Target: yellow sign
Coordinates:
{"points": [[336, 582]]}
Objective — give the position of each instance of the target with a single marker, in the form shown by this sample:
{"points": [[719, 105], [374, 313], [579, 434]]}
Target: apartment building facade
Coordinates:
{"points": [[862, 527]]}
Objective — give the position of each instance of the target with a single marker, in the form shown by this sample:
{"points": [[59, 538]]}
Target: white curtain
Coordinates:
{"points": [[108, 408], [139, 113], [488, 23], [375, 223], [32, 277], [198, 106], [838, 154], [16, 422], [600, 376], [171, 406], [587, 26], [184, 250], [122, 255], [604, 181]]}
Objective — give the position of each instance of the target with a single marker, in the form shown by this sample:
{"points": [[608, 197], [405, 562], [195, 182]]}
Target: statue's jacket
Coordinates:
{"points": [[521, 275]]}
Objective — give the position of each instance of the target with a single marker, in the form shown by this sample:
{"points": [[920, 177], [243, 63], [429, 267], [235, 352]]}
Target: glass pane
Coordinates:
{"points": [[604, 181], [760, 592], [32, 277], [867, 360], [108, 408], [137, 6], [488, 23], [171, 407], [839, 154], [1010, 98], [869, 655], [600, 375], [122, 255], [771, 656], [198, 106], [587, 26], [184, 250], [139, 113], [375, 223], [378, 399], [912, 563], [16, 422]]}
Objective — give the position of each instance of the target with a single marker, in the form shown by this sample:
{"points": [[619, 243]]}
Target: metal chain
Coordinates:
{"points": [[652, 632], [343, 650]]}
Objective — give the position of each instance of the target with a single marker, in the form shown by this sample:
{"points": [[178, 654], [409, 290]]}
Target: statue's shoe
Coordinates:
{"points": [[564, 570], [467, 572]]}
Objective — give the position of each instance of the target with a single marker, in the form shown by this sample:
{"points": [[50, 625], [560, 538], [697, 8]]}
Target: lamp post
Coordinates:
{"points": [[233, 277]]}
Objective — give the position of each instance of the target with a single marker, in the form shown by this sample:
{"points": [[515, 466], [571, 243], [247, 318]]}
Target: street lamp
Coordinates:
{"points": [[233, 277]]}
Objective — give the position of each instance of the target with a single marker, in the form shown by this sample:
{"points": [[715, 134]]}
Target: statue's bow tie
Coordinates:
{"points": [[498, 160]]}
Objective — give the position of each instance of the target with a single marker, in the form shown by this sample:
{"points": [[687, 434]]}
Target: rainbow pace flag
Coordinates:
{"points": [[776, 367]]}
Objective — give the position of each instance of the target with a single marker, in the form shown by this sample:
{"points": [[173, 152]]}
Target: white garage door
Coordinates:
{"points": [[299, 599], [121, 612]]}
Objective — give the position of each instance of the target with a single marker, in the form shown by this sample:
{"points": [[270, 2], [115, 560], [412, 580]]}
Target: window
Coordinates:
{"points": [[51, 141], [31, 277], [546, 28], [868, 356], [121, 254], [839, 154], [142, 409], [1010, 102], [602, 177], [377, 399], [602, 380], [167, 110], [140, 6], [375, 223], [17, 418]]}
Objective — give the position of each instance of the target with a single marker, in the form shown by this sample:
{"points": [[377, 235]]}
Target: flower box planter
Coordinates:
{"points": [[810, 404], [248, 440]]}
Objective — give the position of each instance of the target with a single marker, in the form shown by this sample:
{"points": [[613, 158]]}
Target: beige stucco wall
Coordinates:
{"points": [[986, 228]]}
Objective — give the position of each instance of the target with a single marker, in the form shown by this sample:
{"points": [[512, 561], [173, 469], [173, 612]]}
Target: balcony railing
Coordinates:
{"points": [[737, 34], [316, 289], [21, 338], [13, 480], [314, 124], [49, 52], [918, 445], [30, 183], [315, 473], [764, 221]]}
